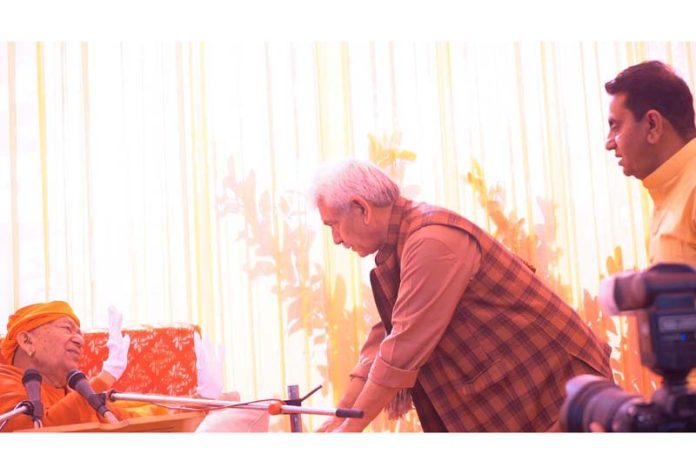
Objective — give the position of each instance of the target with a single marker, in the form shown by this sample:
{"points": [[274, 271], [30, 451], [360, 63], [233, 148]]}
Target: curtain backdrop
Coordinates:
{"points": [[170, 179]]}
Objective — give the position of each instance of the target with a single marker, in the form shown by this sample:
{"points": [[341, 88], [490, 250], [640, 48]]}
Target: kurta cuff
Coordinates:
{"points": [[388, 376], [361, 369]]}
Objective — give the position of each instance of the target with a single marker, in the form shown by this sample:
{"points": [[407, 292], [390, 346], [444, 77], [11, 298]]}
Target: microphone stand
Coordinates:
{"points": [[25, 407], [294, 395], [285, 407]]}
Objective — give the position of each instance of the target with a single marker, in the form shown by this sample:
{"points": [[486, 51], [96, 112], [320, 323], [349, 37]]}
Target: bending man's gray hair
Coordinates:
{"points": [[335, 183]]}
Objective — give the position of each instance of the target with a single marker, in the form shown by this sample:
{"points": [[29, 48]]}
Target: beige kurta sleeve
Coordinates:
{"points": [[436, 266]]}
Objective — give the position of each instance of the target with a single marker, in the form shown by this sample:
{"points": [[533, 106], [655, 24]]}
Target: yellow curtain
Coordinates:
{"points": [[169, 179]]}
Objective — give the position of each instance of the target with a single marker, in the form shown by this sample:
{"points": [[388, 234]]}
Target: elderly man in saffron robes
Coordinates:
{"points": [[46, 337]]}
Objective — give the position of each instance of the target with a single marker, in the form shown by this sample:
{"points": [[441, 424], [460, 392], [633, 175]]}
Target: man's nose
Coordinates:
{"points": [[78, 339], [336, 236], [610, 144]]}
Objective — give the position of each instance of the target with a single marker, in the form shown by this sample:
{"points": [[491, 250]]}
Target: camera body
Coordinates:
{"points": [[665, 299]]}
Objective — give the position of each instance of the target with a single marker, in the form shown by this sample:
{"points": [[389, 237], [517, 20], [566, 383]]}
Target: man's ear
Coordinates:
{"points": [[26, 342], [362, 206], [656, 124]]}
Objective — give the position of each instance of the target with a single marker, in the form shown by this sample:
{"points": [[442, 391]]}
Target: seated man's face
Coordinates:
{"points": [[58, 347]]}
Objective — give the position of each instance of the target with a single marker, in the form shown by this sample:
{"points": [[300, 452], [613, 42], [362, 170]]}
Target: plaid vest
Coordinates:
{"points": [[511, 345]]}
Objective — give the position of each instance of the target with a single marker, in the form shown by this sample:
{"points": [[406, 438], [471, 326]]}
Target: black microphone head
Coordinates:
{"points": [[31, 375], [78, 382], [74, 377], [32, 384]]}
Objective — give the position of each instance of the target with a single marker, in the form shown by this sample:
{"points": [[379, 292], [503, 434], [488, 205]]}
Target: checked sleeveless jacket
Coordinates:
{"points": [[510, 347]]}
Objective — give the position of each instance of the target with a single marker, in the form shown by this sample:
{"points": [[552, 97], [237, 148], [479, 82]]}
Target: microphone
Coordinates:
{"points": [[32, 385], [78, 382], [637, 290]]}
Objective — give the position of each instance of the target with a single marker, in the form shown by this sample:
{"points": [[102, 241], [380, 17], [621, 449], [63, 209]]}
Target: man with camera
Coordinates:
{"points": [[652, 133]]}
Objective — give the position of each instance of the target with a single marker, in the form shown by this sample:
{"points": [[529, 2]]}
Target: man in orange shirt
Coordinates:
{"points": [[652, 132], [46, 337]]}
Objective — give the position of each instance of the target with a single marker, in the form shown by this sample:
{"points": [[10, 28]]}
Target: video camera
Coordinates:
{"points": [[665, 297]]}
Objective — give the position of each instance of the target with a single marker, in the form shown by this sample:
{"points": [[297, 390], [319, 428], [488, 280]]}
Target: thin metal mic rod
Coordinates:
{"points": [[201, 402], [274, 408], [11, 414]]}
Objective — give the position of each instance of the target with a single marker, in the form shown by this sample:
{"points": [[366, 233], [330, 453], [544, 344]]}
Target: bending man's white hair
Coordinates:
{"points": [[335, 183]]}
